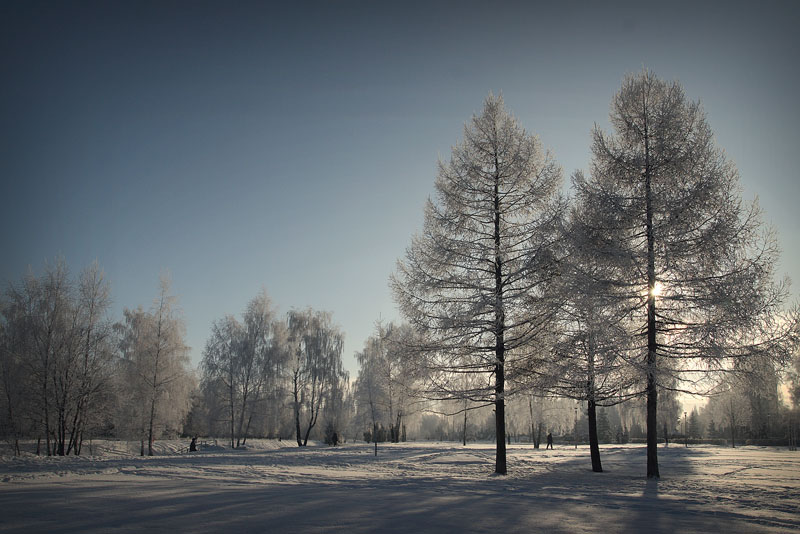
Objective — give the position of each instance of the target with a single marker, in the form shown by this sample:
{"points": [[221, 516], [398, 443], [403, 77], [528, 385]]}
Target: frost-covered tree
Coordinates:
{"points": [[370, 390], [386, 385], [238, 363], [57, 354], [14, 386], [794, 380], [95, 351], [157, 381], [695, 264], [474, 282], [315, 367], [695, 429], [588, 357]]}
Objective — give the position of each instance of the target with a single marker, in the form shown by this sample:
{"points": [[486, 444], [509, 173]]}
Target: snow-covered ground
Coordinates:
{"points": [[411, 487]]}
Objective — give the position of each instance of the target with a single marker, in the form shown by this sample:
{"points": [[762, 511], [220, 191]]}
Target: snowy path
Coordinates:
{"points": [[407, 488]]}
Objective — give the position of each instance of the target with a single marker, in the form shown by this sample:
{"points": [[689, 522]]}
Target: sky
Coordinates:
{"points": [[237, 146]]}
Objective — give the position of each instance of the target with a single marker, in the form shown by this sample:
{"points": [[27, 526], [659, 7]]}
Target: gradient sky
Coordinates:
{"points": [[244, 145]]}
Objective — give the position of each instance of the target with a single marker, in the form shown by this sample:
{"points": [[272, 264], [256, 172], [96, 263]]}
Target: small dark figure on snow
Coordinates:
{"points": [[335, 439], [193, 445], [549, 441]]}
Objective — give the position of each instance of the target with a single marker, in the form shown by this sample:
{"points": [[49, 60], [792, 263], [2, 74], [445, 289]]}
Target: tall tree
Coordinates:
{"points": [[694, 263], [474, 282]]}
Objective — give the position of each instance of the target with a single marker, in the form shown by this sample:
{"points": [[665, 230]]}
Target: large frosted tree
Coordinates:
{"points": [[474, 282], [692, 263]]}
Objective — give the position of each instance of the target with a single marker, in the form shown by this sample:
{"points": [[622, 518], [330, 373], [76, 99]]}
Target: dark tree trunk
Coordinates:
{"points": [[500, 346], [297, 410], [652, 393], [464, 429], [594, 446], [500, 420]]}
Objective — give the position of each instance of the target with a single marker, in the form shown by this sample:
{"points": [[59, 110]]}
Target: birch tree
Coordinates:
{"points": [[474, 282], [156, 364], [386, 383], [58, 346], [238, 363], [315, 368], [693, 263]]}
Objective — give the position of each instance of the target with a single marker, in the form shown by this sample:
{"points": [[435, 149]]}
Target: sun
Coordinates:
{"points": [[658, 289]]}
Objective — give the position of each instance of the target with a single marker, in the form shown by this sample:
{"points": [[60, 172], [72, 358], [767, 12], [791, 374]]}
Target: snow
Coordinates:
{"points": [[432, 487]]}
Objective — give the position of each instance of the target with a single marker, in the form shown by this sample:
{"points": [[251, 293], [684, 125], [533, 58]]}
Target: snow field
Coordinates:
{"points": [[409, 487]]}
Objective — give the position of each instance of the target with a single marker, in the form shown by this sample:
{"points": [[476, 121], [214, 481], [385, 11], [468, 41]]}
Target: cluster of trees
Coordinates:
{"points": [[654, 279], [271, 375], [385, 390], [69, 372]]}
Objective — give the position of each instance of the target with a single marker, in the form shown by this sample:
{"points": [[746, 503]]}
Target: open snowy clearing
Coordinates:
{"points": [[434, 487]]}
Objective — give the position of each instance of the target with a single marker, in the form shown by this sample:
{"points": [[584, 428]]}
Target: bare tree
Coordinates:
{"points": [[58, 345], [474, 282], [316, 367], [692, 264], [95, 352], [386, 385], [220, 361], [238, 362], [155, 358], [589, 358]]}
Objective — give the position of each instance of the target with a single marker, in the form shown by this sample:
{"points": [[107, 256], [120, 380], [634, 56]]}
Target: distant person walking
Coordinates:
{"points": [[193, 445], [549, 441]]}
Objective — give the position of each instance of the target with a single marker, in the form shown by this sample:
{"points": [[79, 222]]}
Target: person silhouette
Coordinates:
{"points": [[549, 441]]}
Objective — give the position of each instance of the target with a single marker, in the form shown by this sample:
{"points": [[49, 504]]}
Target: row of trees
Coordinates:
{"points": [[68, 371], [655, 278]]}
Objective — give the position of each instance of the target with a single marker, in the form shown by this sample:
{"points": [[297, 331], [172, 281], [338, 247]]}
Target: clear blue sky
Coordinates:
{"points": [[243, 145]]}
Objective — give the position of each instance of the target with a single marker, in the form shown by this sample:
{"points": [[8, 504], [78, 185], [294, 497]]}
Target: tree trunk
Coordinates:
{"points": [[500, 420], [297, 409], [499, 316], [652, 392], [594, 446], [464, 429], [233, 415], [247, 429], [152, 424]]}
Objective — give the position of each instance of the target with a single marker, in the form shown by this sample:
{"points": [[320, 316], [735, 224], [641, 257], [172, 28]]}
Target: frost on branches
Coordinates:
{"points": [[475, 282], [691, 262]]}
